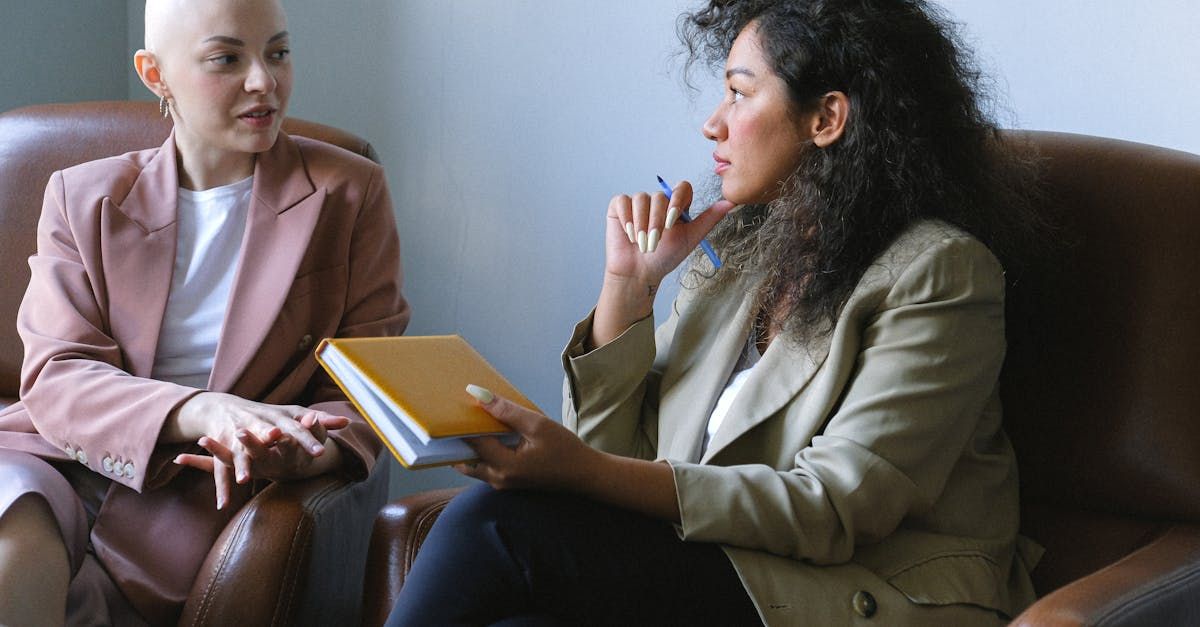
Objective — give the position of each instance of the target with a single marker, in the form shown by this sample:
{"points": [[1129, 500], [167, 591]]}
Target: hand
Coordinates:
{"points": [[644, 238], [645, 241], [251, 440], [547, 457]]}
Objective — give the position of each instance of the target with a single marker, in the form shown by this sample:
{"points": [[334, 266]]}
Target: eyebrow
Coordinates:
{"points": [[739, 70], [234, 41]]}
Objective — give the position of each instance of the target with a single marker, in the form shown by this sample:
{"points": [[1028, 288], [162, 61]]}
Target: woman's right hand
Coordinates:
{"points": [[644, 242]]}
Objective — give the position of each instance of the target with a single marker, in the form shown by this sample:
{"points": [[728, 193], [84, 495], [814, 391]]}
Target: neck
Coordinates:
{"points": [[200, 170]]}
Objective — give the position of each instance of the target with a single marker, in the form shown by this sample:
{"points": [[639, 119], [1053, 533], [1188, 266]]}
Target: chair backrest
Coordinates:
{"points": [[1100, 398], [34, 142]]}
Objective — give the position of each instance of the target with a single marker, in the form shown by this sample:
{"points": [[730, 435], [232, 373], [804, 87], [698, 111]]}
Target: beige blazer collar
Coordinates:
{"points": [[782, 373]]}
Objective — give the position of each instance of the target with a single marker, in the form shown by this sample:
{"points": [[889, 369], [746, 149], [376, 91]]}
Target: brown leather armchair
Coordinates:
{"points": [[1100, 397], [295, 554]]}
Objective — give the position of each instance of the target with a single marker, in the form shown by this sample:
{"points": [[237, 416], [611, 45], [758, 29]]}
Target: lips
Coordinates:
{"points": [[259, 117], [722, 164]]}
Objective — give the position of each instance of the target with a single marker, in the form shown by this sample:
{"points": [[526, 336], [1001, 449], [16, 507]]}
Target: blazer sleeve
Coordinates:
{"points": [[610, 395], [375, 307], [927, 365], [73, 378]]}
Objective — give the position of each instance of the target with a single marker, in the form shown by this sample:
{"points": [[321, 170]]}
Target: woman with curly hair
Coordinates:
{"points": [[814, 435]]}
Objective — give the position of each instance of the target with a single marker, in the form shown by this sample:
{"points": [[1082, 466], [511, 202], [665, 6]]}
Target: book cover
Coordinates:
{"points": [[411, 389]]}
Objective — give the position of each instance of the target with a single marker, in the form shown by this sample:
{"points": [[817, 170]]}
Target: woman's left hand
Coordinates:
{"points": [[281, 459], [548, 457]]}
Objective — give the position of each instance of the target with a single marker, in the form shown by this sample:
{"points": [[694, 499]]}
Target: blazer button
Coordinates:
{"points": [[81, 457], [306, 343], [70, 451], [107, 463], [128, 470], [864, 604]]}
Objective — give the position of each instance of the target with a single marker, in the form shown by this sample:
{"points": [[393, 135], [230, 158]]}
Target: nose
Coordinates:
{"points": [[714, 127], [260, 79]]}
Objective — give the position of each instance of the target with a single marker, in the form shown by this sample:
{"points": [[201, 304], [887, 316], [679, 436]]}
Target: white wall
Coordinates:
{"points": [[505, 125], [1114, 69]]}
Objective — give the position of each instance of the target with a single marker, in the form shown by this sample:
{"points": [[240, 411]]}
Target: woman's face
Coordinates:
{"points": [[229, 76], [759, 140]]}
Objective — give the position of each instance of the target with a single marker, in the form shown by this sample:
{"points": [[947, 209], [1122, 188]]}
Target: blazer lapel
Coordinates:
{"points": [[284, 208], [138, 256], [779, 376], [693, 384]]}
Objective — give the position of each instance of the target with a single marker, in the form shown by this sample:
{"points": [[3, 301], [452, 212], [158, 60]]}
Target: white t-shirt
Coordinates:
{"points": [[741, 372], [211, 225]]}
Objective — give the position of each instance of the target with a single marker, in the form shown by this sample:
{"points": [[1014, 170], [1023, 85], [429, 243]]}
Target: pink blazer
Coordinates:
{"points": [[320, 257]]}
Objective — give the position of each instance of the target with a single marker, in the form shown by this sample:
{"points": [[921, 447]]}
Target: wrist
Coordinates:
{"points": [[186, 423]]}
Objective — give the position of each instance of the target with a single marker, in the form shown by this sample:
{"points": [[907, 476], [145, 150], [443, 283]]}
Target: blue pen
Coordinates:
{"points": [[685, 218]]}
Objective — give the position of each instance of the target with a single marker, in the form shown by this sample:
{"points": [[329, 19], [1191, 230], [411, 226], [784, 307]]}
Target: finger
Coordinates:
{"points": [[470, 469], [620, 208], [707, 220], [641, 218], [681, 200], [241, 465], [333, 423], [255, 448], [656, 221], [489, 449], [222, 480], [199, 462], [303, 437], [218, 450], [522, 420]]}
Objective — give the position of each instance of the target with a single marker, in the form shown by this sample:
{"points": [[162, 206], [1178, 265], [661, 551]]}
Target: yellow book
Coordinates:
{"points": [[412, 392]]}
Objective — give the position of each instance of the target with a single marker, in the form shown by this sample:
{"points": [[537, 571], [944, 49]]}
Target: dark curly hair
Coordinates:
{"points": [[917, 145]]}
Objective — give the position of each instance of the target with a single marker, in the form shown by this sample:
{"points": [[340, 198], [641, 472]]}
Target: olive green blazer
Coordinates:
{"points": [[861, 475]]}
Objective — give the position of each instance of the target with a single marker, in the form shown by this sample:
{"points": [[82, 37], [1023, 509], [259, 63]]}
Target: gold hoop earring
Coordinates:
{"points": [[164, 107]]}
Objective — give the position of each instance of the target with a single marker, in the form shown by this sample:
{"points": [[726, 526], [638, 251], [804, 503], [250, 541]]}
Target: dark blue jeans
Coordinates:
{"points": [[538, 558]]}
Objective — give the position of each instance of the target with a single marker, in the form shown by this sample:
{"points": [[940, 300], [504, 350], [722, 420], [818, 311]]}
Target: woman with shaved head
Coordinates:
{"points": [[168, 327]]}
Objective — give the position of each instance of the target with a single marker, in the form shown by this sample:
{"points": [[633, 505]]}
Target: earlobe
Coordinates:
{"points": [[830, 121]]}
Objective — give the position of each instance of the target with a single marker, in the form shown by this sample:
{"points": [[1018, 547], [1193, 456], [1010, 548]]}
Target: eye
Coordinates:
{"points": [[281, 54], [224, 59], [735, 95]]}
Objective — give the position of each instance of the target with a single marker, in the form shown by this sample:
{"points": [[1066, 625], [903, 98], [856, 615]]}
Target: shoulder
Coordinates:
{"points": [[932, 260], [110, 177], [333, 166]]}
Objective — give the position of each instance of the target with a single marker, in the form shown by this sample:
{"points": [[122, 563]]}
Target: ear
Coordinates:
{"points": [[146, 65], [829, 119]]}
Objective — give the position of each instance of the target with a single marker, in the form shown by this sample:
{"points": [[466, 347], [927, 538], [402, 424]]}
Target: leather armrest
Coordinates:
{"points": [[294, 555], [1159, 584], [399, 530]]}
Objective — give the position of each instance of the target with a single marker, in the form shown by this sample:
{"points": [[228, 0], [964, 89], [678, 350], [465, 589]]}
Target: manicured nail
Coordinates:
{"points": [[672, 216], [652, 241], [241, 478], [317, 448], [483, 395], [629, 231], [641, 241]]}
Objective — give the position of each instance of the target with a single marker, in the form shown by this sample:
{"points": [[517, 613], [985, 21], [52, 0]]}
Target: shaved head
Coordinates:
{"points": [[168, 21]]}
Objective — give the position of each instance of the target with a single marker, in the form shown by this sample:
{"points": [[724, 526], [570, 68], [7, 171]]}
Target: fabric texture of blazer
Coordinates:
{"points": [[320, 257], [862, 474]]}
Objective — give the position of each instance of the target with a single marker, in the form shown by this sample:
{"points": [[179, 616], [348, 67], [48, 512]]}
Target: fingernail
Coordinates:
{"points": [[483, 395], [629, 231], [641, 241], [652, 241], [241, 477], [220, 503], [672, 216], [317, 448]]}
